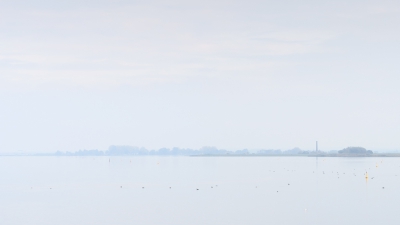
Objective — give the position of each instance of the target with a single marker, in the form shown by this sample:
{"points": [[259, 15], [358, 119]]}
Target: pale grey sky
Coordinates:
{"points": [[231, 74]]}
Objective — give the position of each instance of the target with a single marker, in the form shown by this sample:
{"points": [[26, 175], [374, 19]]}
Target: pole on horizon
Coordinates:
{"points": [[316, 146]]}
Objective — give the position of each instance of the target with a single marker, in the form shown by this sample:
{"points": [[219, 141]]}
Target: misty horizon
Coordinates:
{"points": [[159, 74], [121, 150]]}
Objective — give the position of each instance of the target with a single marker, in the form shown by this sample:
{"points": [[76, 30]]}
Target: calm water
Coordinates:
{"points": [[232, 190]]}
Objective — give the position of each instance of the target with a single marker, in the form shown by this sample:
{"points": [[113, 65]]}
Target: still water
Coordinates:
{"points": [[199, 190]]}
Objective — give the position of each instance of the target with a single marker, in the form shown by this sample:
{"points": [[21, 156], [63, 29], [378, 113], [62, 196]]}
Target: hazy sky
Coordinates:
{"points": [[231, 74]]}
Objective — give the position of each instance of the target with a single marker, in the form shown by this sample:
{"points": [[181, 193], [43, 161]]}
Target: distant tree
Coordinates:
{"points": [[126, 150], [270, 152], [164, 151], [207, 150], [293, 151], [59, 153], [242, 152], [355, 150]]}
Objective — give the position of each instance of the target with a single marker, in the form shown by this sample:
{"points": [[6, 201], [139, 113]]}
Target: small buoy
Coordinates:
{"points": [[121, 186]]}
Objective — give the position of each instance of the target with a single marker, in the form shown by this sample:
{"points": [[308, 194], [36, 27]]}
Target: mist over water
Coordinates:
{"points": [[217, 96], [231, 190]]}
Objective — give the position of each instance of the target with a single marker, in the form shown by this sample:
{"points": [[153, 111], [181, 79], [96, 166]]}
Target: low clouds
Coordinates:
{"points": [[111, 44], [231, 74], [147, 42]]}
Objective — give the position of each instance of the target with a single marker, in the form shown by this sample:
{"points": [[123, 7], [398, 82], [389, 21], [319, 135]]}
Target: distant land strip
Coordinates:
{"points": [[125, 150]]}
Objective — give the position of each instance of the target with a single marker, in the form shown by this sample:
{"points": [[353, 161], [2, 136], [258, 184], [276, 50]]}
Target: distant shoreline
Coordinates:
{"points": [[225, 155], [301, 155]]}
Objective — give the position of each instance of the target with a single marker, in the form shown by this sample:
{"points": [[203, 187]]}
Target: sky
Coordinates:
{"points": [[230, 74]]}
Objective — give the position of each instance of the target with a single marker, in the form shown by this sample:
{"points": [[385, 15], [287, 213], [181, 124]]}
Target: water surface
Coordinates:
{"points": [[198, 190]]}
